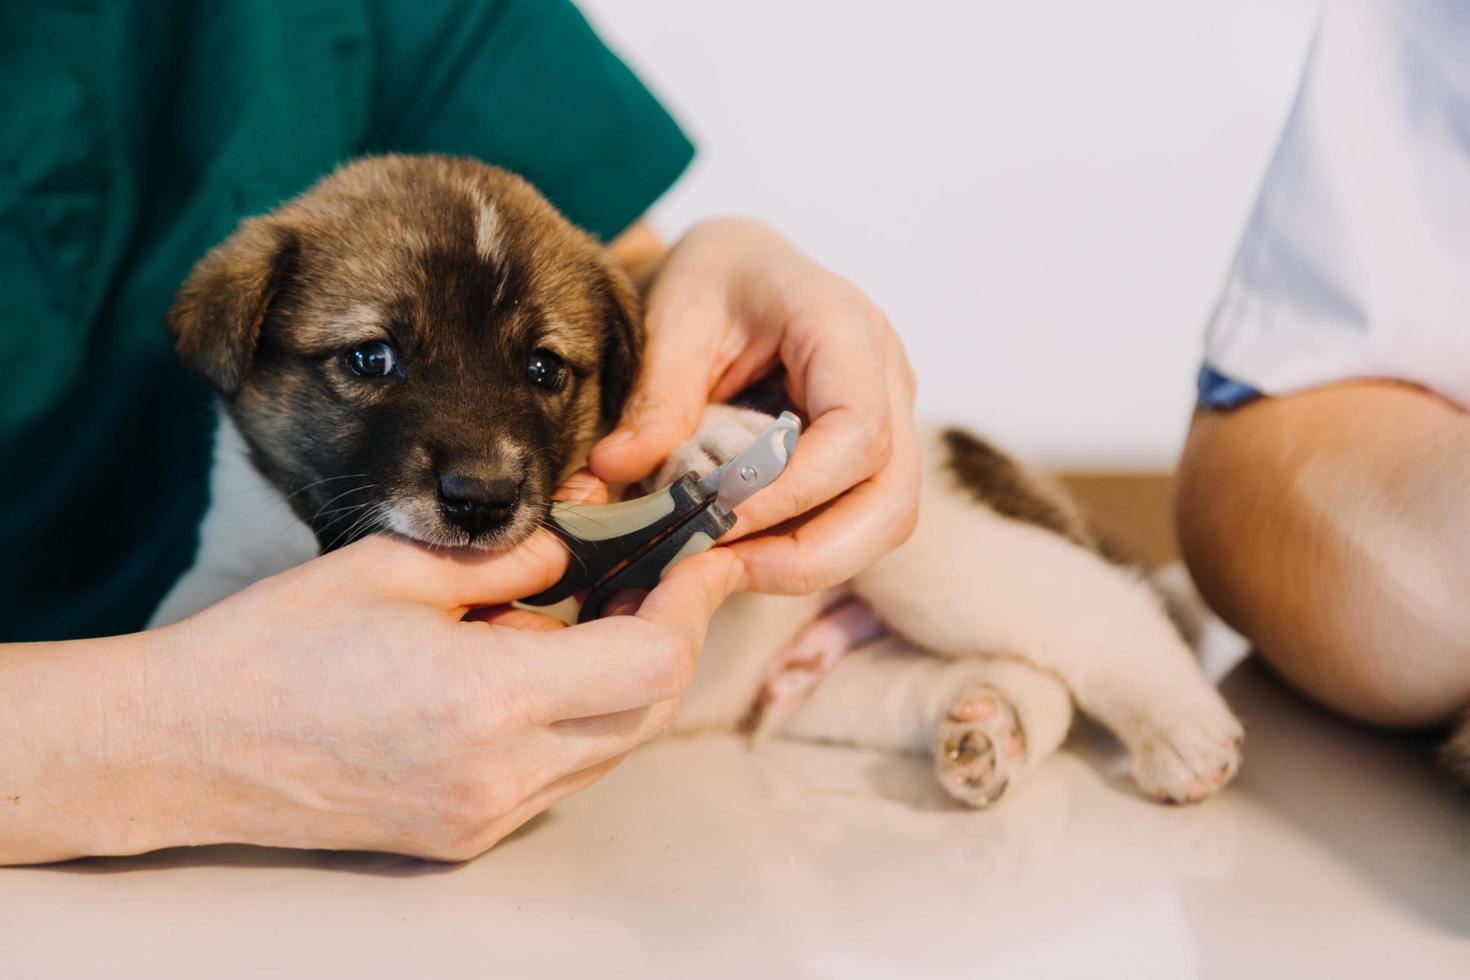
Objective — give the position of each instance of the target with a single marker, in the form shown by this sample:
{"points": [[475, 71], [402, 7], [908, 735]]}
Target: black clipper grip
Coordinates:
{"points": [[601, 535], [697, 535]]}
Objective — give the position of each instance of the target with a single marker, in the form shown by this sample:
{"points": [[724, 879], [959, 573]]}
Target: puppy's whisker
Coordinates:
{"points": [[338, 510], [372, 513], [357, 489], [365, 486], [545, 522], [343, 513], [347, 514], [351, 533], [279, 499], [341, 509], [317, 483]]}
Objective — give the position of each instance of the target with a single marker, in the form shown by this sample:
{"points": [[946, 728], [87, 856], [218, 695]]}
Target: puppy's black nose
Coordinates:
{"points": [[477, 505]]}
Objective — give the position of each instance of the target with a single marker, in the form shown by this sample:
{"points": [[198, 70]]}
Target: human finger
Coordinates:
{"points": [[830, 546], [622, 662], [841, 538], [581, 487], [680, 364], [451, 579], [577, 743], [482, 839], [839, 379]]}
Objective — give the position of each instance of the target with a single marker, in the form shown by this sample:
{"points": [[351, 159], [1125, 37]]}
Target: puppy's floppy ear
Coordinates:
{"points": [[622, 340], [216, 315]]}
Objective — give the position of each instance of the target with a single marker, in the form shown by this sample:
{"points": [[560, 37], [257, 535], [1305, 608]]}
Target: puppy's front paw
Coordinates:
{"points": [[725, 431], [979, 746], [1188, 752]]}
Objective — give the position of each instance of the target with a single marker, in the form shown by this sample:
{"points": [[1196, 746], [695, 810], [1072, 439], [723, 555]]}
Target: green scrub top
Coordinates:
{"points": [[133, 137]]}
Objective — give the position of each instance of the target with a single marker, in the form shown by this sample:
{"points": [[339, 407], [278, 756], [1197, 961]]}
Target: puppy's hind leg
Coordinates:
{"points": [[976, 579], [986, 722]]}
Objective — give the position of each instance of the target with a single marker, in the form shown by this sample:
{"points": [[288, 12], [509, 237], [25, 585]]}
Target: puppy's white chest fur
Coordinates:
{"points": [[249, 532]]}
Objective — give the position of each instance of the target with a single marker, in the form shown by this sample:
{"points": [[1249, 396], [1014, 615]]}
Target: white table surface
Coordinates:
{"points": [[1337, 853]]}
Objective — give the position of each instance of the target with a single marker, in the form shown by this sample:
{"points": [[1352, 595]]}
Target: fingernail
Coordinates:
{"points": [[617, 437]]}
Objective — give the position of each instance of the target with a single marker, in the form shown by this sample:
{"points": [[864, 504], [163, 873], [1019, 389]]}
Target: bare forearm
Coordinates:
{"points": [[341, 704], [89, 766], [1329, 528]]}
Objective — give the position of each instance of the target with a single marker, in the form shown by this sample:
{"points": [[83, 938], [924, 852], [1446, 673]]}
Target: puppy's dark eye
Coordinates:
{"points": [[546, 370], [375, 360]]}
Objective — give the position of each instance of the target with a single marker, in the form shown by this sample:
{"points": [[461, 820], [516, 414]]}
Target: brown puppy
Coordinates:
{"points": [[423, 345], [428, 325]]}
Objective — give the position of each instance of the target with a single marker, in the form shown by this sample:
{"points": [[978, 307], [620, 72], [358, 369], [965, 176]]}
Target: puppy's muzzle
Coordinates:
{"points": [[477, 505]]}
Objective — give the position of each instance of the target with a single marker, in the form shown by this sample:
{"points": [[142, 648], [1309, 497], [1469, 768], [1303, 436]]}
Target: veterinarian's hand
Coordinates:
{"points": [[375, 718], [342, 704], [732, 302]]}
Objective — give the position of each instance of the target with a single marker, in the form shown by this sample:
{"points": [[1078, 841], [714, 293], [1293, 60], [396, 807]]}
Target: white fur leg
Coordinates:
{"points": [[986, 722], [746, 635], [970, 582], [810, 656]]}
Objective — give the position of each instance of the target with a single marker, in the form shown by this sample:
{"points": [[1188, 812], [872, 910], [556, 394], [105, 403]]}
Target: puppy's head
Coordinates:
{"points": [[416, 344]]}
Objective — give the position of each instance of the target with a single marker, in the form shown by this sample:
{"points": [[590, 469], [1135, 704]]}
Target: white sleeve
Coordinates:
{"points": [[1356, 260]]}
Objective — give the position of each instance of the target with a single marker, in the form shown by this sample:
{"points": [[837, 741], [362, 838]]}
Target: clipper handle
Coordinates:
{"points": [[601, 535], [695, 536]]}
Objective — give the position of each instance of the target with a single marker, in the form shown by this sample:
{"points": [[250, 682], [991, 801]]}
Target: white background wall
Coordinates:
{"points": [[1043, 195]]}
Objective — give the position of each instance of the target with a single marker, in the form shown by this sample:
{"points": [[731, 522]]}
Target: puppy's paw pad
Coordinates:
{"points": [[979, 747], [1188, 759], [728, 430], [725, 431], [687, 458]]}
